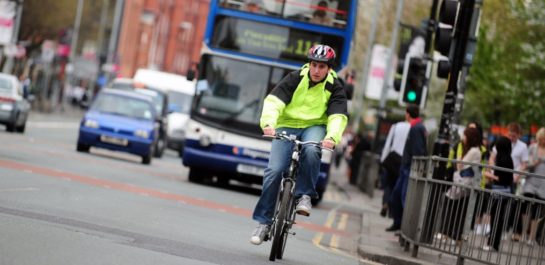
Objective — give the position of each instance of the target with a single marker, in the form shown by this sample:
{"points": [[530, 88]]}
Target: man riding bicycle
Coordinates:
{"points": [[311, 104]]}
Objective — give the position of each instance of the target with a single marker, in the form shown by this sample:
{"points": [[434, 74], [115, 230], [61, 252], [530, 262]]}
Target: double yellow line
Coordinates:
{"points": [[341, 226]]}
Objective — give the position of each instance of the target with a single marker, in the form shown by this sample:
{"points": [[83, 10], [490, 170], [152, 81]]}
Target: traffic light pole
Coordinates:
{"points": [[459, 68], [432, 23]]}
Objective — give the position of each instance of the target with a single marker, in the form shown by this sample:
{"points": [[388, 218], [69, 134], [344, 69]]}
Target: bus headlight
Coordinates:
{"points": [[141, 133], [204, 140]]}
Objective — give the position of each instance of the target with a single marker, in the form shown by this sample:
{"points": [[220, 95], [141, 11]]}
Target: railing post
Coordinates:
{"points": [[469, 218], [426, 168], [460, 261], [414, 253]]}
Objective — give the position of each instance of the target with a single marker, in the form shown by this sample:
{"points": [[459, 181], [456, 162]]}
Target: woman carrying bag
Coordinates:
{"points": [[457, 198]]}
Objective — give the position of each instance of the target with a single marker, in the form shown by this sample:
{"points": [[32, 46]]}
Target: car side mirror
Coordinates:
{"points": [[190, 75]]}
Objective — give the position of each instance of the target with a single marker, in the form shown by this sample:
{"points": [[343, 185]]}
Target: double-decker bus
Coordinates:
{"points": [[246, 52]]}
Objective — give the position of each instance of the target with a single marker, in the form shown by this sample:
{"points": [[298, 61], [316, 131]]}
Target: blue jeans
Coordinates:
{"points": [[397, 199], [279, 161]]}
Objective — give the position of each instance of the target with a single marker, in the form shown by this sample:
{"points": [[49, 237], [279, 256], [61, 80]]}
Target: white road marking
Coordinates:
{"points": [[19, 189], [53, 124]]}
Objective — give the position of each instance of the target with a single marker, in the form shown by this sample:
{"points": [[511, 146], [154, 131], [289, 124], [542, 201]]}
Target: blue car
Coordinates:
{"points": [[123, 121]]}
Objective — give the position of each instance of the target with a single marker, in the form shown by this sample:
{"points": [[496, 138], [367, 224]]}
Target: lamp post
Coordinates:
{"points": [[74, 41], [114, 37], [8, 66]]}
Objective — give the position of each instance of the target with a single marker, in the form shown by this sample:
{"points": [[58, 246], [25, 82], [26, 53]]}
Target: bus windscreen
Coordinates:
{"points": [[270, 41]]}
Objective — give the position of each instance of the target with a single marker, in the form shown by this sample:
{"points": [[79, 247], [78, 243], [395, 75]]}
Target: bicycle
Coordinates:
{"points": [[284, 215]]}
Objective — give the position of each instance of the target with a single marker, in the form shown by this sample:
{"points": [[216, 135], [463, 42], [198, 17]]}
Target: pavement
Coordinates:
{"points": [[376, 246], [66, 112]]}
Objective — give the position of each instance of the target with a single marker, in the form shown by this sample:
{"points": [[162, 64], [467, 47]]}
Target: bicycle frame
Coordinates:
{"points": [[284, 215]]}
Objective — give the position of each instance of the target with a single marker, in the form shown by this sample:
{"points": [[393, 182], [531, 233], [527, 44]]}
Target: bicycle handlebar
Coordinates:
{"points": [[292, 138]]}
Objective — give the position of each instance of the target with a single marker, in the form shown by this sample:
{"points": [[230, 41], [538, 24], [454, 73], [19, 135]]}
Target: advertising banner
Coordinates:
{"points": [[7, 21]]}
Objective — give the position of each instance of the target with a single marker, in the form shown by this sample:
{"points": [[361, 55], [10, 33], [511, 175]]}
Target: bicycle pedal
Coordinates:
{"points": [[291, 233]]}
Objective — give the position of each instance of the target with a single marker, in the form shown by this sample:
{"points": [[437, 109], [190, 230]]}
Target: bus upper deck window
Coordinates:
{"points": [[320, 14], [323, 12], [252, 6]]}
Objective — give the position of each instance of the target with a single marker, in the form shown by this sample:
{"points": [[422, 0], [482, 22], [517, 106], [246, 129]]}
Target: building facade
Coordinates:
{"points": [[165, 35]]}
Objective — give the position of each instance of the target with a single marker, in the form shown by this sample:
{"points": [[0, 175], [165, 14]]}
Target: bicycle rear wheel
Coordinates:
{"points": [[280, 228]]}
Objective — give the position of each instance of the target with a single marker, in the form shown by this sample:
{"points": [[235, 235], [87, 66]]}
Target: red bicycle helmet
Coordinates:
{"points": [[322, 53]]}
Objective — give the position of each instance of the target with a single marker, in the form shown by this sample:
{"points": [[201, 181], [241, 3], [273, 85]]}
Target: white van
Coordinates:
{"points": [[180, 94]]}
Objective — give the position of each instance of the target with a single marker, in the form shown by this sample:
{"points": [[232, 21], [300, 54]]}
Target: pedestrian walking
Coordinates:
{"points": [[415, 145], [390, 160], [534, 187], [519, 155], [500, 182]]}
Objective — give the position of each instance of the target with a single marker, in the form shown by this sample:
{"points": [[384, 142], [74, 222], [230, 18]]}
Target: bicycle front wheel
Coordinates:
{"points": [[281, 226]]}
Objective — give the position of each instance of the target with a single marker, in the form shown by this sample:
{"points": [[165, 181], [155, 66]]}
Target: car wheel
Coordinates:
{"points": [[223, 181], [10, 127], [146, 160], [193, 175], [199, 175], [159, 148], [21, 129], [83, 148]]}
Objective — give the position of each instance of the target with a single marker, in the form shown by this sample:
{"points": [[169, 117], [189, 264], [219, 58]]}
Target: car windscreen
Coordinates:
{"points": [[179, 102], [5, 85], [156, 97], [122, 85], [123, 106]]}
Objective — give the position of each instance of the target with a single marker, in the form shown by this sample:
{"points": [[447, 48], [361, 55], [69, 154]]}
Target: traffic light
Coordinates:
{"points": [[408, 40], [444, 33], [414, 86]]}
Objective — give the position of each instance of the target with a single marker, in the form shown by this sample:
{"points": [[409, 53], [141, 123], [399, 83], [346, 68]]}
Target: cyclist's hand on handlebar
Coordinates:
{"points": [[328, 143], [269, 131]]}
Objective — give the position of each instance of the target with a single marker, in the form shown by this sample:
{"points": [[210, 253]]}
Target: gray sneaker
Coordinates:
{"points": [[304, 206], [259, 234]]}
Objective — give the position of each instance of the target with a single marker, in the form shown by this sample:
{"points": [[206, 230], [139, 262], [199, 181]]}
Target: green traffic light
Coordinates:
{"points": [[411, 96]]}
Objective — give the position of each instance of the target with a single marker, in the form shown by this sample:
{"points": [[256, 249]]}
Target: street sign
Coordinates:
{"points": [[377, 73]]}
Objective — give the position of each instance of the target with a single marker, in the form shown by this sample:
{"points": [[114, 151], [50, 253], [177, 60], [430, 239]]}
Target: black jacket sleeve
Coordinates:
{"points": [[337, 101], [286, 87]]}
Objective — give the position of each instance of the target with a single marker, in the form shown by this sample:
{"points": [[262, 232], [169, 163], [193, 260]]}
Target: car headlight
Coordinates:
{"points": [[91, 124], [141, 133], [204, 140]]}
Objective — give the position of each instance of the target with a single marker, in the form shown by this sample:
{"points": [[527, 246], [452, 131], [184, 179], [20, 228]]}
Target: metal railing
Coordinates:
{"points": [[442, 216]]}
